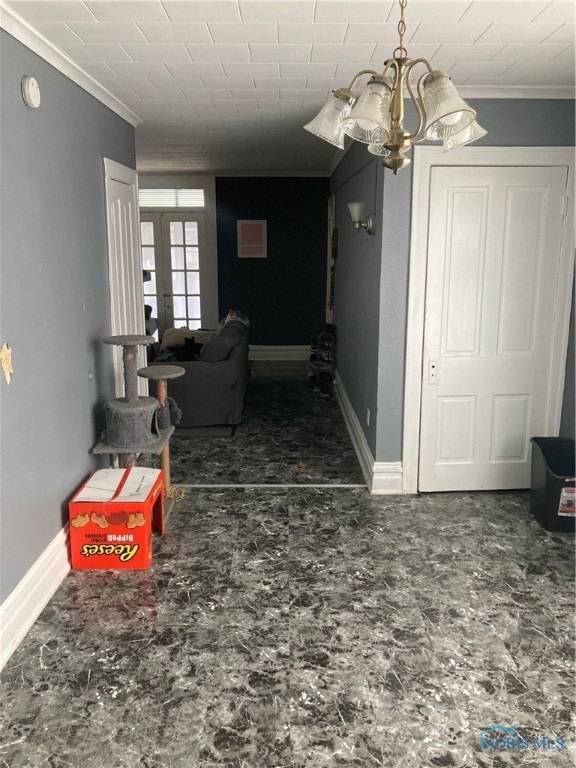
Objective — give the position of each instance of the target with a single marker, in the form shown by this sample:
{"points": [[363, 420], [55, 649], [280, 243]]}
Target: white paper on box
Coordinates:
{"points": [[139, 484], [101, 486], [104, 483]]}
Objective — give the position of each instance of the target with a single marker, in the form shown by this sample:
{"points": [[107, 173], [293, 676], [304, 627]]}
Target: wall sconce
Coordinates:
{"points": [[360, 217]]}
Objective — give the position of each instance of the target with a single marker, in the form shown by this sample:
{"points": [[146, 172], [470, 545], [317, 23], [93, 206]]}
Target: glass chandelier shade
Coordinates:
{"points": [[466, 136], [446, 111], [380, 150], [377, 117], [327, 124], [368, 121]]}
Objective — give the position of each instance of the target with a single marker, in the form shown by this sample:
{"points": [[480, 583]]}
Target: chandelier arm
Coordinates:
{"points": [[418, 100], [358, 75]]}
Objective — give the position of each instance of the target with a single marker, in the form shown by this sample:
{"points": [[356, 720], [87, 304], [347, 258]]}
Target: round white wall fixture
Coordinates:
{"points": [[31, 91]]}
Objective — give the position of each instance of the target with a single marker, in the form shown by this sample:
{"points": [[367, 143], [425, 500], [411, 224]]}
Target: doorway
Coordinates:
{"points": [[490, 291], [174, 257]]}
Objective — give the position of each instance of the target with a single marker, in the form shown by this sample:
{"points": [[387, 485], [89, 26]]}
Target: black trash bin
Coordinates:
{"points": [[553, 496]]}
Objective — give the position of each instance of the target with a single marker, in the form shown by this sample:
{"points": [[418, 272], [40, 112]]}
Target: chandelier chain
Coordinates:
{"points": [[402, 28]]}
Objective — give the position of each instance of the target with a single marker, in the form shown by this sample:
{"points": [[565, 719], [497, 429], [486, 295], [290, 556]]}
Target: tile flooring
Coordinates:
{"points": [[304, 627]]}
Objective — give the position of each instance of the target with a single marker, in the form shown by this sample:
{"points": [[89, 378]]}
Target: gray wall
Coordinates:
{"points": [[371, 297], [359, 177], [54, 297]]}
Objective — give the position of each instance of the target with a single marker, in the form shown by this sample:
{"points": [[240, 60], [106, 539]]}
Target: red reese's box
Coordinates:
{"points": [[111, 519]]}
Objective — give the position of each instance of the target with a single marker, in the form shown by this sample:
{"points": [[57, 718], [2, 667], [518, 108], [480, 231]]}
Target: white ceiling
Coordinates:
{"points": [[224, 86]]}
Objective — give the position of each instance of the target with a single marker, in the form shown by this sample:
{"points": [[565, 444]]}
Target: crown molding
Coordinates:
{"points": [[21, 30]]}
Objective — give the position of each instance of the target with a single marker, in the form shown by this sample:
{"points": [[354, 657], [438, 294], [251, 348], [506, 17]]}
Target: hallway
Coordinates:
{"points": [[304, 627]]}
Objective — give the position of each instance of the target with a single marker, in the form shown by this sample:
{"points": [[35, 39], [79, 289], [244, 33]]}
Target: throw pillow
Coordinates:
{"points": [[220, 346]]}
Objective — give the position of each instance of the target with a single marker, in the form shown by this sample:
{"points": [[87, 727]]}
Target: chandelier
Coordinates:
{"points": [[376, 118]]}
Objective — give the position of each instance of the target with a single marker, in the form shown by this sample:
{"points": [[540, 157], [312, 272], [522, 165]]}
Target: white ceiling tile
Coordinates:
{"points": [[145, 90], [293, 11], [108, 32], [102, 72], [280, 82], [222, 53], [418, 51], [183, 72], [280, 53], [528, 53], [430, 11], [182, 32], [311, 33], [449, 33], [127, 10], [164, 92], [496, 10], [141, 69], [253, 69], [476, 52], [153, 52], [342, 53], [307, 70], [323, 83], [237, 104], [533, 73], [58, 32], [201, 94], [102, 52], [478, 73], [245, 95], [566, 58], [564, 34], [306, 95], [208, 10], [56, 10], [558, 11], [370, 12], [262, 94], [230, 34], [377, 34], [345, 72], [508, 32], [227, 82]]}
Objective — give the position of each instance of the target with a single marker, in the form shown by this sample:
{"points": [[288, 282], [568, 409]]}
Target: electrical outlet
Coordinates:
{"points": [[368, 417]]}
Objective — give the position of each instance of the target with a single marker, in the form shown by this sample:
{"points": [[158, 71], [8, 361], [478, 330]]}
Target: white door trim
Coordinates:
{"points": [[424, 159], [124, 317]]}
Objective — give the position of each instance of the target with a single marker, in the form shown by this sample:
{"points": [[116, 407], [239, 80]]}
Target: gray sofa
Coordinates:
{"points": [[212, 389]]}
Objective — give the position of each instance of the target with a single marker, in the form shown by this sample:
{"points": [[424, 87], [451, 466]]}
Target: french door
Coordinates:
{"points": [[174, 255]]}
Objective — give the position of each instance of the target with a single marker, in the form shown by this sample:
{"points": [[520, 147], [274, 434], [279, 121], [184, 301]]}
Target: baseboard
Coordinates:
{"points": [[288, 352], [387, 477], [382, 477], [363, 452], [23, 606]]}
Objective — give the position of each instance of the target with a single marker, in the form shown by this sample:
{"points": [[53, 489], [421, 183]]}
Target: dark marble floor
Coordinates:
{"points": [[289, 434], [308, 628]]}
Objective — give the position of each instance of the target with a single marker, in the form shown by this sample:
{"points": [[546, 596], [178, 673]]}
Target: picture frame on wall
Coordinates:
{"points": [[252, 239]]}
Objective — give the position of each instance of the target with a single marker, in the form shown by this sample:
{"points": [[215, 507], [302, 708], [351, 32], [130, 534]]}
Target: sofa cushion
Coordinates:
{"points": [[220, 345]]}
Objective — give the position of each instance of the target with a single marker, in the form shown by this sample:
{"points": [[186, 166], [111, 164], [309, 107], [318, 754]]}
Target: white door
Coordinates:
{"points": [[125, 265], [494, 257], [174, 252]]}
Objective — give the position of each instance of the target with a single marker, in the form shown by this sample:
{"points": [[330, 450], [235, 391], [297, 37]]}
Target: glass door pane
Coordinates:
{"points": [[185, 274], [151, 244], [172, 257]]}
